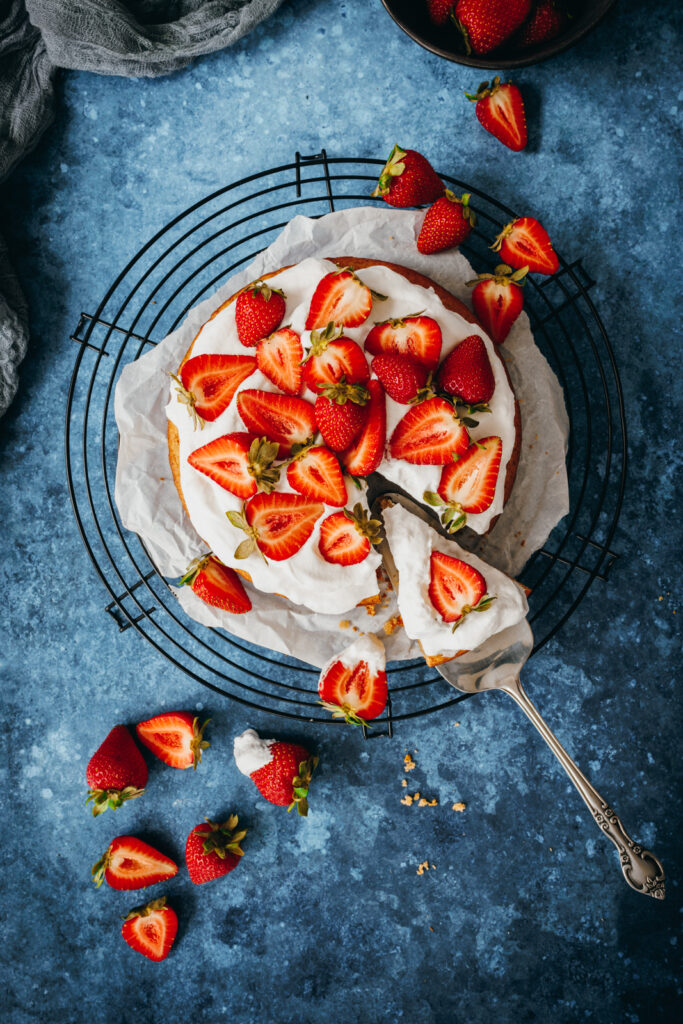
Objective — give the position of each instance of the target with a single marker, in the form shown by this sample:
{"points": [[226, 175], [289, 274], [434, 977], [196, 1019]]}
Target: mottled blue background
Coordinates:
{"points": [[525, 917]]}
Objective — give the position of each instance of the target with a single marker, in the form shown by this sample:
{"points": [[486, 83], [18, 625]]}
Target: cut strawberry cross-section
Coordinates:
{"points": [[175, 737], [281, 418], [346, 537], [456, 588], [366, 453], [354, 687], [316, 473], [340, 297], [279, 357], [216, 584], [525, 243], [332, 357], [239, 462], [497, 300], [430, 434], [415, 336], [468, 485], [277, 525], [130, 863], [151, 929], [207, 384]]}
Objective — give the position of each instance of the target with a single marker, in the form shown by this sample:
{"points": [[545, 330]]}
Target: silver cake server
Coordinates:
{"points": [[497, 665]]}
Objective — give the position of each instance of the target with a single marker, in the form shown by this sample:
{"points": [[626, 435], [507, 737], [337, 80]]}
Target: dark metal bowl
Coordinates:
{"points": [[411, 16]]}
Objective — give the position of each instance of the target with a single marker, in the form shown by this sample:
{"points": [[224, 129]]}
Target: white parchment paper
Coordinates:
{"points": [[149, 504]]}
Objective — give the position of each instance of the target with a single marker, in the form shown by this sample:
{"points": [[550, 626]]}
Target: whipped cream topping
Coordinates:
{"points": [[306, 578], [411, 542], [251, 752], [368, 648]]}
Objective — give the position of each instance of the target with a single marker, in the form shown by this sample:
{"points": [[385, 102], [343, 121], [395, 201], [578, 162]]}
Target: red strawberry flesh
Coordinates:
{"points": [[175, 737], [454, 586], [283, 522], [355, 688], [366, 453], [429, 434], [417, 337], [130, 863], [151, 930], [317, 475], [220, 586], [210, 382], [279, 358], [281, 418], [471, 481], [340, 298]]}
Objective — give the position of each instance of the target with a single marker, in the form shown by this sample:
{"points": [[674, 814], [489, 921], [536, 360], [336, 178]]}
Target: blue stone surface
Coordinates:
{"points": [[523, 914]]}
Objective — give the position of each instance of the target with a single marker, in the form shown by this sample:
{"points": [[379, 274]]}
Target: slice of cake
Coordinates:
{"points": [[449, 600]]}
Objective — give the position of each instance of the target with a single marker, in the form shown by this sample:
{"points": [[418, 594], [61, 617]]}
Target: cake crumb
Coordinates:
{"points": [[416, 796], [430, 928], [345, 623], [404, 782], [392, 624], [433, 867], [460, 806], [371, 609], [457, 724], [428, 803], [424, 866], [407, 800], [408, 763]]}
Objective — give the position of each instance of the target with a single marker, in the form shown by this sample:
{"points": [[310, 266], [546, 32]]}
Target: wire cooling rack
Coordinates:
{"points": [[185, 262]]}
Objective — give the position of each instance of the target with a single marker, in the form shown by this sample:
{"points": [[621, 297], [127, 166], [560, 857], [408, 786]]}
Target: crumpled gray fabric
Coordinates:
{"points": [[133, 38]]}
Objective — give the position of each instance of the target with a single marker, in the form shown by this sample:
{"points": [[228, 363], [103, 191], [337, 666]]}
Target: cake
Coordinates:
{"points": [[499, 602], [222, 518]]}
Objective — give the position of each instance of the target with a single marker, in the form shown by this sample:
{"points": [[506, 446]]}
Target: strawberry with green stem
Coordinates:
{"points": [[116, 772], [207, 384], [346, 538], [333, 356], [175, 737], [497, 300], [525, 243], [131, 863], [216, 584], [468, 484], [241, 463], [151, 929], [486, 24], [284, 776], [456, 588], [340, 413], [447, 223], [277, 525], [213, 850], [259, 310], [500, 110], [408, 179], [340, 297]]}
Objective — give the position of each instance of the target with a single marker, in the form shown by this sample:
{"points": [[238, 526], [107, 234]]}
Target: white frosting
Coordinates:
{"points": [[368, 648], [251, 752], [411, 542], [306, 578]]}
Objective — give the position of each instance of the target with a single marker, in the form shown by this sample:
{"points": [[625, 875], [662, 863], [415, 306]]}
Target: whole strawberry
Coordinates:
{"points": [[213, 850], [466, 372], [401, 377], [447, 223], [340, 413], [259, 310], [408, 179], [546, 22], [486, 24], [439, 11], [116, 772], [281, 771], [500, 110]]}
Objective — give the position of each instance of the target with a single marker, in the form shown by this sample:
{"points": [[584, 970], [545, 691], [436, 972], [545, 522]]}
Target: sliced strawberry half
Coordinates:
{"points": [[365, 455], [151, 929], [456, 588], [277, 524], [415, 336], [175, 737], [333, 356], [471, 481], [347, 537], [281, 418], [130, 863], [317, 475], [526, 243], [239, 462], [497, 300], [216, 584], [469, 484], [340, 298], [207, 384], [353, 692], [500, 110], [279, 357], [430, 434]]}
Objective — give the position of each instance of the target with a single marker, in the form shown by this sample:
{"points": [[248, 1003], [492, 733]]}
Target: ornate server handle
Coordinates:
{"points": [[642, 870]]}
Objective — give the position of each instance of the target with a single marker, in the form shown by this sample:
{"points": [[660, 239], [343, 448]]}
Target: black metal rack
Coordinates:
{"points": [[185, 262]]}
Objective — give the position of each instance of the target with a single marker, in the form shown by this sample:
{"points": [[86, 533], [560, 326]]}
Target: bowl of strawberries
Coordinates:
{"points": [[497, 33]]}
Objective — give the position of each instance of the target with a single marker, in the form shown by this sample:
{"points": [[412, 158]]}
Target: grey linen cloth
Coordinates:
{"points": [[111, 37]]}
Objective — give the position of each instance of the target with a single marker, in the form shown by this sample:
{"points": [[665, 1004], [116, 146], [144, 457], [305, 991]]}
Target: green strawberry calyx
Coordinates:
{"points": [[300, 785], [110, 798], [250, 544], [343, 392], [393, 168], [467, 213], [453, 516], [148, 908], [187, 398], [222, 839], [503, 274], [367, 527], [344, 711], [483, 89]]}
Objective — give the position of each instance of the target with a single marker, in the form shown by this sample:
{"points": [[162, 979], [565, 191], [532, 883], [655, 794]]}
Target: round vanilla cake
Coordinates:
{"points": [[231, 465]]}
